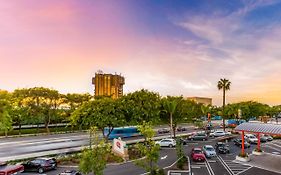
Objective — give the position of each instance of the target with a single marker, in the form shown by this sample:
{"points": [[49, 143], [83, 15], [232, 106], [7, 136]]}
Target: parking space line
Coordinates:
{"points": [[209, 168], [225, 165], [277, 145], [244, 170], [199, 163], [197, 166], [272, 147]]}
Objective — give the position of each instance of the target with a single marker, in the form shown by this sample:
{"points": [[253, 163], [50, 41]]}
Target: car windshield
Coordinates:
{"points": [[200, 134], [197, 151], [209, 149]]}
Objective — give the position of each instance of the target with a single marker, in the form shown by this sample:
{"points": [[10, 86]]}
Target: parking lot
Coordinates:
{"points": [[225, 164], [222, 164]]}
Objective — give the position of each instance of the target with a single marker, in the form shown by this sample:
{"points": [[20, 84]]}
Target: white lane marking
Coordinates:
{"points": [[244, 170], [225, 165], [275, 145], [164, 157], [34, 141], [196, 167], [269, 146], [209, 168], [277, 153]]}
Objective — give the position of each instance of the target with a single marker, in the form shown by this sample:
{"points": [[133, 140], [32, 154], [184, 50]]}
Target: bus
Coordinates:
{"points": [[123, 132], [233, 122]]}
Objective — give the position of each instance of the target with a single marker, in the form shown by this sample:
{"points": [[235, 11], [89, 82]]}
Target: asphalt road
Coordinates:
{"points": [[23, 147], [223, 164], [220, 165]]}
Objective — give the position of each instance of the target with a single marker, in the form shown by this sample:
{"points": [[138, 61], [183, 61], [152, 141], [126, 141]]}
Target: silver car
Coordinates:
{"points": [[209, 151]]}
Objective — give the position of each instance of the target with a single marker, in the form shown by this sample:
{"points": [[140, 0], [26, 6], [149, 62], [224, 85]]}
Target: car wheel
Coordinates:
{"points": [[170, 145], [40, 170]]}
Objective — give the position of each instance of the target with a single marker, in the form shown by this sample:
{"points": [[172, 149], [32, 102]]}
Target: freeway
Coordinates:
{"points": [[36, 146]]}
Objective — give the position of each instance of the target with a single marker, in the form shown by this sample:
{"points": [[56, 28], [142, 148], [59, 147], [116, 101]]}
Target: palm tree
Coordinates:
{"points": [[223, 84], [170, 107]]}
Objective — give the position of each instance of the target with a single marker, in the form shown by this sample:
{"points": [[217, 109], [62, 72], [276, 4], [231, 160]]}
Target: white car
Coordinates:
{"points": [[251, 138], [209, 151], [219, 134], [166, 142]]}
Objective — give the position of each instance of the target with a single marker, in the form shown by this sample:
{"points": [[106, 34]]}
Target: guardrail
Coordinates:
{"points": [[75, 149], [40, 126]]}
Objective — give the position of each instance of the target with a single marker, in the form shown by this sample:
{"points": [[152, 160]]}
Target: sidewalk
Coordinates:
{"points": [[266, 161]]}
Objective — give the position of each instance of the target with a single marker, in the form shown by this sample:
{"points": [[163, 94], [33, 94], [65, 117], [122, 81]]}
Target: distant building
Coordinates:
{"points": [[108, 84], [203, 100]]}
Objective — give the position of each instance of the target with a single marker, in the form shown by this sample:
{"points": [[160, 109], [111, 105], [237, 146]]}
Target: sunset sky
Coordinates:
{"points": [[173, 47]]}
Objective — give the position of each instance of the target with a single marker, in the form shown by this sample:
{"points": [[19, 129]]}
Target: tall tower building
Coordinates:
{"points": [[108, 84]]}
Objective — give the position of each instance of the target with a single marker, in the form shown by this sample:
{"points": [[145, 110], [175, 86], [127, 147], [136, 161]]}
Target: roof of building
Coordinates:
{"points": [[260, 128]]}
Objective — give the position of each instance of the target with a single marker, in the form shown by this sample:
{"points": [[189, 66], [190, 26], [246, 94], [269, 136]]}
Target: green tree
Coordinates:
{"points": [[104, 113], [94, 159], [223, 85], [5, 119], [148, 149], [141, 106], [170, 106], [45, 103]]}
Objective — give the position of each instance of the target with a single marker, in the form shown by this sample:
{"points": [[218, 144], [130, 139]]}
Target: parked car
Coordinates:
{"points": [[40, 165], [163, 131], [222, 147], [209, 151], [197, 154], [266, 137], [199, 136], [70, 172], [166, 142], [181, 129], [219, 134], [183, 141], [251, 138], [209, 126], [6, 169], [216, 118], [263, 139], [238, 142]]}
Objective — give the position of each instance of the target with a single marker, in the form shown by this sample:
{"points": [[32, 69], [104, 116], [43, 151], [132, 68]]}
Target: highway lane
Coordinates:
{"points": [[11, 148]]}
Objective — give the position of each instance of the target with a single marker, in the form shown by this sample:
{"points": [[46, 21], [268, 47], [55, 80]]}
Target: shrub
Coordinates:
{"points": [[161, 172], [277, 137], [258, 150], [243, 155]]}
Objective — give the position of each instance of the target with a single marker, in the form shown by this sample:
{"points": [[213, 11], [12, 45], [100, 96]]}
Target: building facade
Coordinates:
{"points": [[108, 84], [203, 100]]}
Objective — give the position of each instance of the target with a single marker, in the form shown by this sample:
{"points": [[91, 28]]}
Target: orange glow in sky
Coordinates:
{"points": [[182, 48]]}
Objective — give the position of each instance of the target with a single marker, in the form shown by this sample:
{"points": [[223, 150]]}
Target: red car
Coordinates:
{"points": [[197, 154], [10, 169]]}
